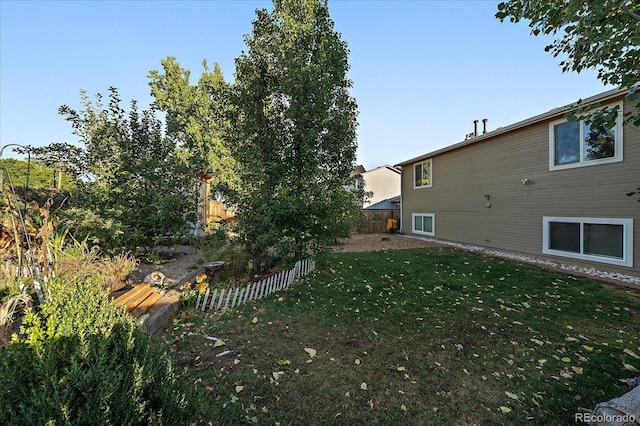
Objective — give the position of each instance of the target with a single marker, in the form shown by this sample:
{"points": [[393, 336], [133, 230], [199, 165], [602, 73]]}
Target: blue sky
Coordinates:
{"points": [[422, 70]]}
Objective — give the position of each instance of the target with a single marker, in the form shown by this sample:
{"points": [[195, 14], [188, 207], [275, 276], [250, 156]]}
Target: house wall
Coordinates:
{"points": [[383, 182], [462, 178]]}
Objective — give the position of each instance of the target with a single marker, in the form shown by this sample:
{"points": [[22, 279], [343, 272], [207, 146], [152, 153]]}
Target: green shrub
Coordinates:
{"points": [[80, 360]]}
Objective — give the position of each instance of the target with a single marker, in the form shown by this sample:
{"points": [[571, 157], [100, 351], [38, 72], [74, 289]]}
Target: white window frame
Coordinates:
{"points": [[433, 223], [430, 174], [583, 162], [627, 243]]}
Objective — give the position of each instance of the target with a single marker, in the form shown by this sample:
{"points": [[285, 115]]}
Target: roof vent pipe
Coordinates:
{"points": [[475, 128], [484, 126]]}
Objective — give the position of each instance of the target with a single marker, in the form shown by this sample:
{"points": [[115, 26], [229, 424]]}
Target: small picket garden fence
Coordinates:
{"points": [[230, 298]]}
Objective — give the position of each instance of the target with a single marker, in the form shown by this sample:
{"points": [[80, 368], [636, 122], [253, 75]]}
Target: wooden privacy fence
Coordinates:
{"points": [[232, 297], [375, 221]]}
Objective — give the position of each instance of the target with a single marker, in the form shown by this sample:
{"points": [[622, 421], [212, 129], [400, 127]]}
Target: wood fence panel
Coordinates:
{"points": [[375, 221], [220, 301], [213, 298]]}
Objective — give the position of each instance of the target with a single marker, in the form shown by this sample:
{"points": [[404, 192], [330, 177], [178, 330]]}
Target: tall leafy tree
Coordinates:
{"points": [[197, 117], [603, 35], [138, 183], [295, 143]]}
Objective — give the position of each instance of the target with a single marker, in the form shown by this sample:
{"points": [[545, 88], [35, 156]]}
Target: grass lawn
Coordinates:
{"points": [[426, 336]]}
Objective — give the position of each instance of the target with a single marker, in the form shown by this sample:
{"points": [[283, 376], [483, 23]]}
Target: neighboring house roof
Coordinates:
{"points": [[602, 97], [386, 166], [358, 170], [392, 203]]}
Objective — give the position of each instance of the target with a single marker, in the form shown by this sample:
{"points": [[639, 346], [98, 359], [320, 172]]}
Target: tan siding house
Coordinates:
{"points": [[543, 187], [383, 183]]}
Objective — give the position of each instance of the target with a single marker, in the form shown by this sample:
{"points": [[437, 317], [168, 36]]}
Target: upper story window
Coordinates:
{"points": [[578, 144], [422, 174]]}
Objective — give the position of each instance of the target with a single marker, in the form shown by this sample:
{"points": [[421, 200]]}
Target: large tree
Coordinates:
{"points": [[603, 35], [197, 117], [138, 183], [295, 135]]}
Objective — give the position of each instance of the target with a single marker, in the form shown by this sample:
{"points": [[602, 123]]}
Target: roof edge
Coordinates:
{"points": [[604, 96]]}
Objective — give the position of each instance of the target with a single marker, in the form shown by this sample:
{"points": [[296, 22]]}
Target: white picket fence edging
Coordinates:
{"points": [[230, 298]]}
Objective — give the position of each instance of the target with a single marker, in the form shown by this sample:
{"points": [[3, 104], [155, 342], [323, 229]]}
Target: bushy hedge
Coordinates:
{"points": [[82, 361]]}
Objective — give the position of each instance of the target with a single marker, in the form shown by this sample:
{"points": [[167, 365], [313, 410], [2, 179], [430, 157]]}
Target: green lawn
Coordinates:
{"points": [[427, 336]]}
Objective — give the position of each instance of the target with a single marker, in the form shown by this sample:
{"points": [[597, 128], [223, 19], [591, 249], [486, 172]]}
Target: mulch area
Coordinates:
{"points": [[378, 242]]}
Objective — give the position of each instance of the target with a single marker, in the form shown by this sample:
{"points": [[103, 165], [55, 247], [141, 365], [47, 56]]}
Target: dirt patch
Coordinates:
{"points": [[378, 242], [182, 264]]}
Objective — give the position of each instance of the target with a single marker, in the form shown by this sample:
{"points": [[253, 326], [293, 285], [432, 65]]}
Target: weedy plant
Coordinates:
{"points": [[10, 306], [9, 311], [80, 360]]}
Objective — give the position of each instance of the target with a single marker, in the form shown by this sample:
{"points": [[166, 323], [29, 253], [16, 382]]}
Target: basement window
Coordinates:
{"points": [[593, 239], [423, 223]]}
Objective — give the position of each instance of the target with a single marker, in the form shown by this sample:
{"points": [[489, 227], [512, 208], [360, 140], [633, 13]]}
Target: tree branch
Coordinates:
{"points": [[629, 11]]}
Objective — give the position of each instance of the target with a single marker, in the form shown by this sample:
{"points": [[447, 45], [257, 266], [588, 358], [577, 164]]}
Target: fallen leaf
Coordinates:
{"points": [[239, 389], [632, 353], [537, 342], [571, 339], [401, 369], [630, 367], [565, 359], [284, 362], [587, 348], [219, 343], [511, 395], [537, 404], [578, 370], [566, 374], [312, 352], [363, 386], [254, 320], [403, 407], [357, 361], [505, 410], [276, 375]]}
